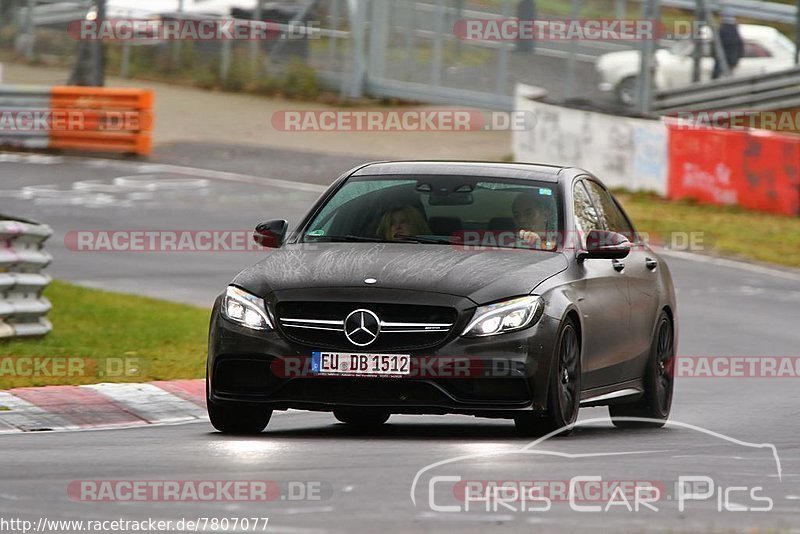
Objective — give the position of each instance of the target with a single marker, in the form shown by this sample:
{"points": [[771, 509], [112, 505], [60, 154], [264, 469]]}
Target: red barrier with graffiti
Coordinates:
{"points": [[754, 169]]}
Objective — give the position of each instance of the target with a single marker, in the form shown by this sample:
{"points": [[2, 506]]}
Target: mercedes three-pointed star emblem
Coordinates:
{"points": [[362, 327]]}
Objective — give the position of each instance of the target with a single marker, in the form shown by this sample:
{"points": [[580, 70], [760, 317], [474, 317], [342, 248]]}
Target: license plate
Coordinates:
{"points": [[348, 364]]}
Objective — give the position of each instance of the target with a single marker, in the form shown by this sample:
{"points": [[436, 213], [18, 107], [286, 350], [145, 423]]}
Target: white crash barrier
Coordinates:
{"points": [[22, 258], [623, 152]]}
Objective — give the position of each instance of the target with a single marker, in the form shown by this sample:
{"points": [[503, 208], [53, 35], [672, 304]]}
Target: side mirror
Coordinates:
{"points": [[271, 234], [604, 245]]}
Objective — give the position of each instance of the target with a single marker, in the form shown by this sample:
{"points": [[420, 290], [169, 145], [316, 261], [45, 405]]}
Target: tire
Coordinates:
{"points": [[236, 418], [361, 418], [564, 391], [626, 91], [659, 383]]}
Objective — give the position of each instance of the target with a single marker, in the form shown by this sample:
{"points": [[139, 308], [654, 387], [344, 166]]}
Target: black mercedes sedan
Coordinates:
{"points": [[502, 290]]}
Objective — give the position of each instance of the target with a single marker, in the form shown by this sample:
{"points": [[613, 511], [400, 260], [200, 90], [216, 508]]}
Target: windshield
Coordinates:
{"points": [[784, 43], [440, 210]]}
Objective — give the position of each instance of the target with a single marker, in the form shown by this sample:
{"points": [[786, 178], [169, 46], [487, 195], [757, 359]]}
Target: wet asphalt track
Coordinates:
{"points": [[366, 480]]}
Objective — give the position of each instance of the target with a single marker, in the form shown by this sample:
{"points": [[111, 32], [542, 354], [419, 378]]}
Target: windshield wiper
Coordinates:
{"points": [[424, 239], [350, 238], [398, 239]]}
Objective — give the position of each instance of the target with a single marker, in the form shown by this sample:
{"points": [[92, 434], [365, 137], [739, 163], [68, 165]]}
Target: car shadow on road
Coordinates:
{"points": [[450, 431]]}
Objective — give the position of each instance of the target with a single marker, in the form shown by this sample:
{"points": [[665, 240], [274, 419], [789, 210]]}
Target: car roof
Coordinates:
{"points": [[488, 169], [755, 31]]}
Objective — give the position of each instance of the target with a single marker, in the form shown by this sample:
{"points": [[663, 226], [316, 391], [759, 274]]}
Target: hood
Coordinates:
{"points": [[480, 275]]}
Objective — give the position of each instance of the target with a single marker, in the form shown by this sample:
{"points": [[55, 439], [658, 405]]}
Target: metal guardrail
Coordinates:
{"points": [[93, 119], [22, 258], [775, 90], [55, 13], [752, 9]]}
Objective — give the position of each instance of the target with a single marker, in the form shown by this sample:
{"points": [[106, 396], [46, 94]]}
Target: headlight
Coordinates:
{"points": [[245, 309], [506, 316]]}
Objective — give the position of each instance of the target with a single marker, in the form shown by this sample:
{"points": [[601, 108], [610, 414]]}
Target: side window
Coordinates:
{"points": [[610, 214], [706, 49], [586, 216], [753, 49]]}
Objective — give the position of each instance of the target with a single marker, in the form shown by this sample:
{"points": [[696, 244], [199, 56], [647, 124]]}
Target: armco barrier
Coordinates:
{"points": [[77, 118], [754, 169], [22, 258], [624, 152]]}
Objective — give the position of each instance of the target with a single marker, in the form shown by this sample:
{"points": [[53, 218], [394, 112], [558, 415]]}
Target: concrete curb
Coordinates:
{"points": [[101, 406]]}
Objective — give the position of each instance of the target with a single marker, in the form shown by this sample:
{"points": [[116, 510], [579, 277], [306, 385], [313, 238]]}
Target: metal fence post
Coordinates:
{"points": [[797, 33], [644, 91], [438, 42], [502, 59], [357, 19], [411, 41], [126, 59], [255, 43], [620, 9], [225, 60], [378, 38], [176, 44], [697, 40], [575, 14], [334, 19], [30, 32]]}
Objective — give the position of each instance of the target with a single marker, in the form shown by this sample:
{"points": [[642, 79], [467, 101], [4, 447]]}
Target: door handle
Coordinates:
{"points": [[651, 264], [617, 265]]}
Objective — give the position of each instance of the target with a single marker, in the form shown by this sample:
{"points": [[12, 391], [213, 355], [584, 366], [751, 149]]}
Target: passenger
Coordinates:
{"points": [[533, 220], [402, 221]]}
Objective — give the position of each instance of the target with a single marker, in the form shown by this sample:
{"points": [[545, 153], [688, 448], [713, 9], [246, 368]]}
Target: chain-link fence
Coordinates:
{"points": [[414, 50]]}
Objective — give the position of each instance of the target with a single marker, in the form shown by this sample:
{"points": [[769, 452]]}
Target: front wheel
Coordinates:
{"points": [[565, 389], [656, 402], [627, 90], [235, 418], [361, 418]]}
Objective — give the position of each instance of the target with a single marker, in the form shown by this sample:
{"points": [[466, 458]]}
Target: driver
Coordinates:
{"points": [[402, 221], [532, 215]]}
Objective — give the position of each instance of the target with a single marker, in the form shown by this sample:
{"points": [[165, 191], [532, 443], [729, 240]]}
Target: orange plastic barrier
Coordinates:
{"points": [[102, 119], [754, 169]]}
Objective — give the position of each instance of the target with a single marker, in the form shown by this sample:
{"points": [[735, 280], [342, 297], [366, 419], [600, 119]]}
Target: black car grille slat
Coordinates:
{"points": [[404, 326]]}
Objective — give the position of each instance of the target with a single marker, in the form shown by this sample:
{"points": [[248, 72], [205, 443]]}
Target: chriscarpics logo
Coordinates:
{"points": [[592, 473]]}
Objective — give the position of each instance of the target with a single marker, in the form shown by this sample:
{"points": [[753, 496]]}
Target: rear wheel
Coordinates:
{"points": [[565, 389], [361, 417], [659, 383]]}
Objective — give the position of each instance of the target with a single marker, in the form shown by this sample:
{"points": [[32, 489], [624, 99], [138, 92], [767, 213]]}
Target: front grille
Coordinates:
{"points": [[402, 326]]}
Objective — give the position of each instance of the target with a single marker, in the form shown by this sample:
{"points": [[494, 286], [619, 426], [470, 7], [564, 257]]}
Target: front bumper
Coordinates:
{"points": [[492, 377]]}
